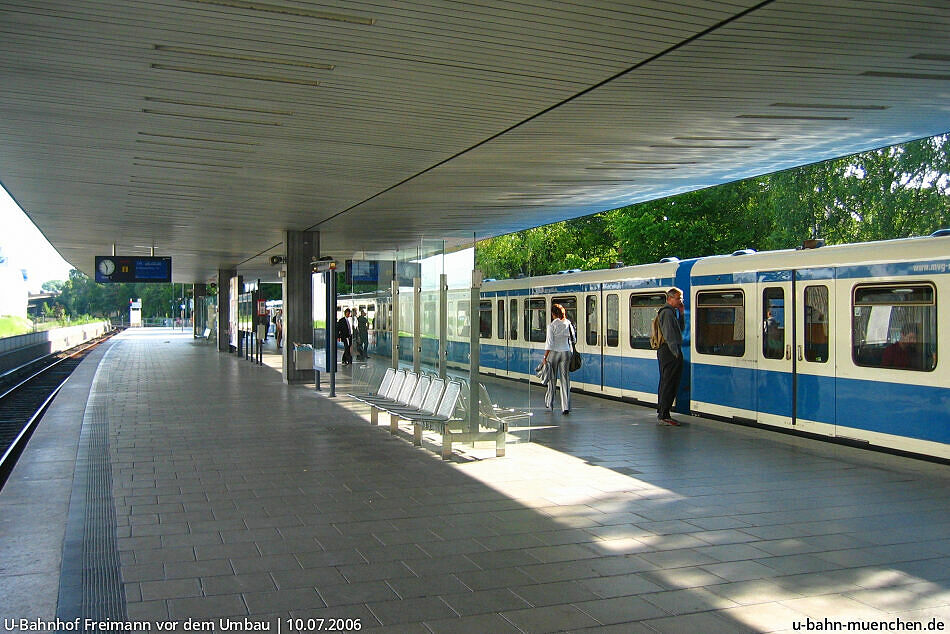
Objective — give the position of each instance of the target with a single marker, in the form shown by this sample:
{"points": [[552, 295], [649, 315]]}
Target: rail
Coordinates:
{"points": [[22, 406]]}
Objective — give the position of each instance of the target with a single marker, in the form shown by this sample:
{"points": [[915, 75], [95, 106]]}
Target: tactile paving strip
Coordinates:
{"points": [[91, 584]]}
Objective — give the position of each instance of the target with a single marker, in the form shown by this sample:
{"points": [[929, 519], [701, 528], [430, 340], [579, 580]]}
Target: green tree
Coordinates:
{"points": [[893, 192], [716, 220]]}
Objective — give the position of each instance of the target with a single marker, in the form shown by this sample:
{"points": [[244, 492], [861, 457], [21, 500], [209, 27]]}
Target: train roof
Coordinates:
{"points": [[936, 246]]}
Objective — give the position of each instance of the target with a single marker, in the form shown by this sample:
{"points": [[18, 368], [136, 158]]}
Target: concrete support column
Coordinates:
{"points": [[224, 307], [302, 247], [197, 291]]}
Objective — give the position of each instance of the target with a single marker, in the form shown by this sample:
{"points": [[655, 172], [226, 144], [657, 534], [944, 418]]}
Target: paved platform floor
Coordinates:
{"points": [[238, 497]]}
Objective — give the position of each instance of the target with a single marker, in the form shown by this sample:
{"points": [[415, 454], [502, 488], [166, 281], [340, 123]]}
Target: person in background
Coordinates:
{"points": [[279, 326], [669, 355], [344, 333], [557, 354], [362, 335], [903, 353]]}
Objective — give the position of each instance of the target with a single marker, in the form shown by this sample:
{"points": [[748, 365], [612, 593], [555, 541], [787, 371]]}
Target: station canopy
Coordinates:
{"points": [[204, 128]]}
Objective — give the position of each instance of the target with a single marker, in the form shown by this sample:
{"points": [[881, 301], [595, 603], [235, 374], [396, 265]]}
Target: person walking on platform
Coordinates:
{"points": [[344, 332], [279, 327], [557, 353], [669, 355]]}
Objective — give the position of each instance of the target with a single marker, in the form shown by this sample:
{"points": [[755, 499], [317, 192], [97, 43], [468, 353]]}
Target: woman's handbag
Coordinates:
{"points": [[576, 361]]}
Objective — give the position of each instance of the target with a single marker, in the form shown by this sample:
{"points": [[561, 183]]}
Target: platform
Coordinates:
{"points": [[172, 482]]}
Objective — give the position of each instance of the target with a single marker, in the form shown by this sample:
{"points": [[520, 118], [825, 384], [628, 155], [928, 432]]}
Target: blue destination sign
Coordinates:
{"points": [[111, 269]]}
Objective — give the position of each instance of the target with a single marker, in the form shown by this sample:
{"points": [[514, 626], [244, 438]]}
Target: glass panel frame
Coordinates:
{"points": [[774, 329], [612, 320], [643, 309], [894, 326], [720, 323]]}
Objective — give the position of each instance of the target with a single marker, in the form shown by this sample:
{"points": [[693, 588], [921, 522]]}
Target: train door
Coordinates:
{"points": [[514, 343], [612, 367], [535, 323], [795, 371], [814, 354], [774, 342], [589, 334]]}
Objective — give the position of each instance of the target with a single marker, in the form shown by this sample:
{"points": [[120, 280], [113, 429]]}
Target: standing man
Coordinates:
{"points": [[669, 354], [344, 332], [362, 330]]}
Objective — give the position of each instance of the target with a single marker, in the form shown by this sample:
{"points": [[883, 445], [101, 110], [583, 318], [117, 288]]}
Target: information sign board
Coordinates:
{"points": [[133, 269]]}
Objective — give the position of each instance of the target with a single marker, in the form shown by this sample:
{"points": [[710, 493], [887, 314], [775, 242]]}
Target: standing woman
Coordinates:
{"points": [[557, 352]]}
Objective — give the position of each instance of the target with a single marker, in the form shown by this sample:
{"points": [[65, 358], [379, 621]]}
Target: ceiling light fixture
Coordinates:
{"points": [[792, 117], [243, 57], [650, 162], [636, 168], [136, 181], [175, 167], [145, 158], [702, 147], [197, 138], [154, 194], [931, 57], [208, 117], [306, 13], [193, 147], [723, 138], [200, 104], [830, 106], [896, 75], [224, 73]]}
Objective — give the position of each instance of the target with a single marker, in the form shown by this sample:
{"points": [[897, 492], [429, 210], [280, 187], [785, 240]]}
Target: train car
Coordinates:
{"points": [[841, 342]]}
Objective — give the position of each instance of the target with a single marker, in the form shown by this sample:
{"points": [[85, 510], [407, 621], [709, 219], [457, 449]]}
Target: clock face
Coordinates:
{"points": [[106, 267]]}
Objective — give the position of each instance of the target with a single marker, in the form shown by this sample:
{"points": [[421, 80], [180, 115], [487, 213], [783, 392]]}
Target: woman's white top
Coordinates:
{"points": [[559, 336]]}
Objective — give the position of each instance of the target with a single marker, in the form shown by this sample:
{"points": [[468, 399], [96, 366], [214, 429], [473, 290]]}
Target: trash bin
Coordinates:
{"points": [[303, 356]]}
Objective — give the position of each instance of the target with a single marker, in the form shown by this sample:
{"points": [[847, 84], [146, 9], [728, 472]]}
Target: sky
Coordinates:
{"points": [[25, 247]]}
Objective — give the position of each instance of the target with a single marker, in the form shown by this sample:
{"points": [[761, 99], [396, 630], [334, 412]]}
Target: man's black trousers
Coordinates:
{"points": [[671, 369]]}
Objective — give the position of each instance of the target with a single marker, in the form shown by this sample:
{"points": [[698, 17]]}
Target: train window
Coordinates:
{"points": [[612, 321], [501, 319], [720, 323], [430, 318], [593, 320], [816, 324], [535, 320], [513, 320], [643, 309], [463, 319], [773, 322], [569, 302], [895, 326], [484, 319]]}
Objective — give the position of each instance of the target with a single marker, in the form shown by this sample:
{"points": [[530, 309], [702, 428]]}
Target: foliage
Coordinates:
{"points": [[892, 192], [12, 326], [81, 295], [585, 243]]}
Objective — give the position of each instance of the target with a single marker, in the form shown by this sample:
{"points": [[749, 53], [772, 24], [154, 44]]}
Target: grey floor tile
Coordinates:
{"points": [[235, 584], [553, 593], [485, 601], [411, 610], [170, 589], [287, 599], [473, 625], [357, 593], [686, 601], [550, 619], [207, 607], [706, 622], [438, 585]]}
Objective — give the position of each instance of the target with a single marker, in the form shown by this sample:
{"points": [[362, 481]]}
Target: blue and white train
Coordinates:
{"points": [[840, 341]]}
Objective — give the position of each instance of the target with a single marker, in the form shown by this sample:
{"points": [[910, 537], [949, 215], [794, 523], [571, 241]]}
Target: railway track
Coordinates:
{"points": [[27, 391]]}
